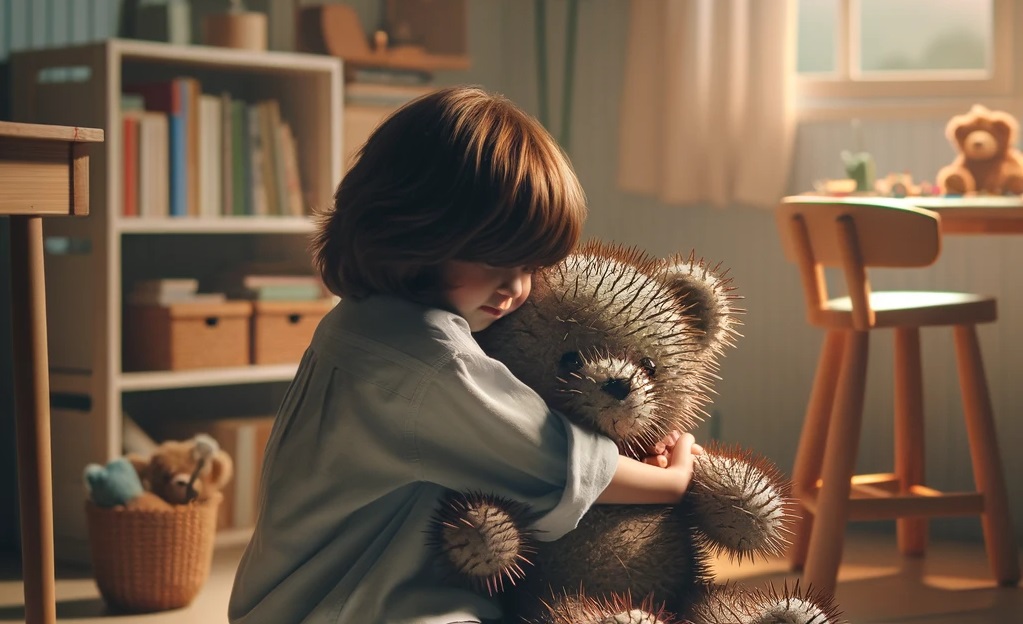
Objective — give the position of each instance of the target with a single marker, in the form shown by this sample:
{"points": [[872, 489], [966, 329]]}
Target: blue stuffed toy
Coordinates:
{"points": [[115, 484]]}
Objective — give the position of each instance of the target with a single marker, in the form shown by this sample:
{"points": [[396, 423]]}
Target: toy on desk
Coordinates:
{"points": [[859, 166], [902, 185], [988, 162]]}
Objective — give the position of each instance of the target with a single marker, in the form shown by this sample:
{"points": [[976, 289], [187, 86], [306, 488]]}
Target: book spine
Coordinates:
{"points": [[130, 157], [178, 128]]}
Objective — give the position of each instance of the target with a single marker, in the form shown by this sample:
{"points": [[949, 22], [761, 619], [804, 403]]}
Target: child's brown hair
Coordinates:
{"points": [[456, 174]]}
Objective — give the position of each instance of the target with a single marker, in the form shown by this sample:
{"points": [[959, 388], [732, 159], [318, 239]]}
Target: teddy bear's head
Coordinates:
{"points": [[982, 134], [623, 344], [182, 471]]}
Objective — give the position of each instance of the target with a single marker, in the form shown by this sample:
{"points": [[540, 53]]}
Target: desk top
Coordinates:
{"points": [[44, 170], [964, 215], [15, 130], [976, 215]]}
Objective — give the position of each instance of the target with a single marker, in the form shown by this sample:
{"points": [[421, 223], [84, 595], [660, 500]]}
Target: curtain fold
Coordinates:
{"points": [[707, 114]]}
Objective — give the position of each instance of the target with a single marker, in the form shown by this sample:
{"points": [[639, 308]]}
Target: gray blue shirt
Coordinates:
{"points": [[393, 405]]}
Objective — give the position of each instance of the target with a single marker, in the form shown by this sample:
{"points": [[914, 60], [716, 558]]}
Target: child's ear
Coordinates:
{"points": [[221, 469]]}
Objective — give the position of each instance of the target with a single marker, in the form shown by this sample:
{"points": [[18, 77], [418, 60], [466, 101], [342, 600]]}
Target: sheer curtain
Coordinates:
{"points": [[707, 112]]}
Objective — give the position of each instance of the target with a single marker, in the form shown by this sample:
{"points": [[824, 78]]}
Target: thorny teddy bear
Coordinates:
{"points": [[988, 161], [627, 345]]}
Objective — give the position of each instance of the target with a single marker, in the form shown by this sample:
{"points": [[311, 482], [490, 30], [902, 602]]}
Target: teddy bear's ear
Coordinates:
{"points": [[705, 294], [141, 466], [138, 462], [1004, 128], [221, 469]]}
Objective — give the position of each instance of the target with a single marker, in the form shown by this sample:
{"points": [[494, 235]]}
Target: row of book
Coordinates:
{"points": [[188, 153]]}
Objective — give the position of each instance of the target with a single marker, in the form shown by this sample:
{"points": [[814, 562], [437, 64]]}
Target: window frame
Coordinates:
{"points": [[845, 84]]}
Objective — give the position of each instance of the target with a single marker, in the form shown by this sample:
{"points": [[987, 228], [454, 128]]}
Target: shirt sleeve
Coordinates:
{"points": [[477, 428]]}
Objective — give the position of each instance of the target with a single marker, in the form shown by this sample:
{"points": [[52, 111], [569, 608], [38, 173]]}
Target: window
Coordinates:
{"points": [[904, 48]]}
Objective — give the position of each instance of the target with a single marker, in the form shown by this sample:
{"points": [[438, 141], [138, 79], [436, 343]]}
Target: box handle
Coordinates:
{"points": [[211, 321], [294, 318]]}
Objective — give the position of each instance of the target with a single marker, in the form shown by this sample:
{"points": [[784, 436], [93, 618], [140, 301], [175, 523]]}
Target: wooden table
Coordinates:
{"points": [[44, 172], [975, 215]]}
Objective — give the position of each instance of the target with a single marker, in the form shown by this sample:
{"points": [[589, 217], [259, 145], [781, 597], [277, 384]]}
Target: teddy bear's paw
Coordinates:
{"points": [[732, 604], [483, 539], [615, 609], [1013, 185], [741, 503], [790, 606]]}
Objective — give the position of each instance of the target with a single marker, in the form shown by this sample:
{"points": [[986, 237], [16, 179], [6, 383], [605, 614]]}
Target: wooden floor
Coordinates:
{"points": [[950, 586]]}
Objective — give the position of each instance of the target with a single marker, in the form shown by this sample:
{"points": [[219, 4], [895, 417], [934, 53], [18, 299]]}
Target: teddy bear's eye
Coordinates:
{"points": [[571, 361], [649, 366]]}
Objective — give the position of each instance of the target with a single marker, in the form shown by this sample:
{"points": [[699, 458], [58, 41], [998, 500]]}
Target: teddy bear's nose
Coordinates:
{"points": [[618, 388], [180, 481]]}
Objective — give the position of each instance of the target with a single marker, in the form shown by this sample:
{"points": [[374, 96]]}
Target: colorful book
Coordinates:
{"points": [[174, 97], [239, 166], [154, 167], [130, 121], [209, 156], [227, 155]]}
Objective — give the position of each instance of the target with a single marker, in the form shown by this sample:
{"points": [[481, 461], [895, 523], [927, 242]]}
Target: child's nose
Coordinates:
{"points": [[512, 285]]}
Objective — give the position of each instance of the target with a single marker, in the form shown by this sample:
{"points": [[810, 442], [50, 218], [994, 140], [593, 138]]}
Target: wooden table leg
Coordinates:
{"points": [[32, 406]]}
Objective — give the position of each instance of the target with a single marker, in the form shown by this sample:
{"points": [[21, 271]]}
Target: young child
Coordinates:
{"points": [[452, 203]]}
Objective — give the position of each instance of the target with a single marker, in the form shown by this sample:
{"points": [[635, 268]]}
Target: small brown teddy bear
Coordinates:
{"points": [[988, 162], [182, 471]]}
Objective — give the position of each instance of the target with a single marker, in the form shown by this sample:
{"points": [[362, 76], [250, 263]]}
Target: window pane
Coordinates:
{"points": [[818, 20], [925, 35]]}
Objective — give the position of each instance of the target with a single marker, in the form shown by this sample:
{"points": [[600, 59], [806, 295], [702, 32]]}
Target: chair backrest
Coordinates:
{"points": [[854, 233]]}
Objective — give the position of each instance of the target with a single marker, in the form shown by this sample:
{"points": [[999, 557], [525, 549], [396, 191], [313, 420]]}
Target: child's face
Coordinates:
{"points": [[481, 293]]}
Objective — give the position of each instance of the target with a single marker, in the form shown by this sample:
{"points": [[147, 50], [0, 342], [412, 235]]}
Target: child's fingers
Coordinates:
{"points": [[697, 449], [661, 461], [683, 450]]}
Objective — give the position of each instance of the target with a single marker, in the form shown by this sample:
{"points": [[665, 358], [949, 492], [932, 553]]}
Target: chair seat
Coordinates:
{"points": [[913, 309]]}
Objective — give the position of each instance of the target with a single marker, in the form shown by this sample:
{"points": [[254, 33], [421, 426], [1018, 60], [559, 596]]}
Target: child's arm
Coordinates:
{"points": [[636, 482]]}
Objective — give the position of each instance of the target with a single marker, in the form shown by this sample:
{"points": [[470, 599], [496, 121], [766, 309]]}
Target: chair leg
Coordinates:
{"points": [[909, 434], [826, 542], [809, 456], [999, 537]]}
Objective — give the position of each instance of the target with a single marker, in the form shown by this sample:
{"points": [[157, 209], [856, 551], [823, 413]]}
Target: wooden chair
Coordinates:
{"points": [[854, 234]]}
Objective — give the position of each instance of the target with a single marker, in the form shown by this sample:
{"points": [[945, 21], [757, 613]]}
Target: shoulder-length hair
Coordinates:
{"points": [[458, 174]]}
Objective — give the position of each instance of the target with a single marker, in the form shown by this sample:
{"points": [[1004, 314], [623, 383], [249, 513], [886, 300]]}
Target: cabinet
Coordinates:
{"points": [[91, 263]]}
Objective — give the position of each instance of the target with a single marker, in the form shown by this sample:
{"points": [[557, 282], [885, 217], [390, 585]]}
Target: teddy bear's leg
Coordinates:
{"points": [[740, 503], [482, 539], [579, 608], [956, 181], [1013, 184], [731, 604]]}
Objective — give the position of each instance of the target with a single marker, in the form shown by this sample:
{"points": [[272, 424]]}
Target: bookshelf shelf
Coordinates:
{"points": [[98, 259], [162, 380], [216, 225]]}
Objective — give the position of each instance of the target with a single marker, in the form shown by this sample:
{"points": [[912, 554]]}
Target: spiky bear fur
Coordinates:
{"points": [[627, 345]]}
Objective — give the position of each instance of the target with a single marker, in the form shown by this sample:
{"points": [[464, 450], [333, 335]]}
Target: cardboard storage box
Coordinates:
{"points": [[281, 330], [187, 335]]}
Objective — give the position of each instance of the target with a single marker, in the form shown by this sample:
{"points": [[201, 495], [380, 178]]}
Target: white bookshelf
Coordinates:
{"points": [[214, 225], [82, 86]]}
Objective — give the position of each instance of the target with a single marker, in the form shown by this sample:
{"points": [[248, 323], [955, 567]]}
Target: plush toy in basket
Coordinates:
{"points": [[152, 522], [627, 345]]}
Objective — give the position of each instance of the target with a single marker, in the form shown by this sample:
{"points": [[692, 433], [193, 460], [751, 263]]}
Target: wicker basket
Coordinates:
{"points": [[152, 560]]}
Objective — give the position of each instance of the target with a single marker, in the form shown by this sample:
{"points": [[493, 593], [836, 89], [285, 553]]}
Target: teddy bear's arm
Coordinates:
{"points": [[740, 503], [955, 179]]}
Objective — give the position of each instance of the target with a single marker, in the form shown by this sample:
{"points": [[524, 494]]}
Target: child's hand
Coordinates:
{"points": [[681, 458], [658, 454]]}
